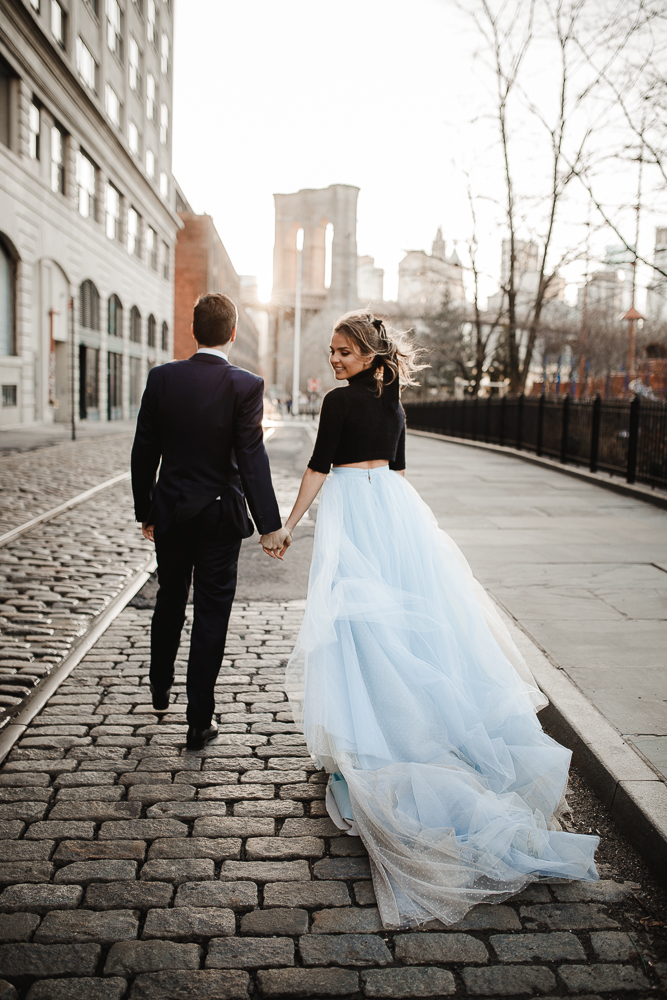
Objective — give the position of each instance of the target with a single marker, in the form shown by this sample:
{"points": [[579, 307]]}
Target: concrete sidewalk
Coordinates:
{"points": [[584, 571], [18, 439]]}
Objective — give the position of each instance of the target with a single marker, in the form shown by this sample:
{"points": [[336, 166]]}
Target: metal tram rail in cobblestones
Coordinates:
{"points": [[616, 436]]}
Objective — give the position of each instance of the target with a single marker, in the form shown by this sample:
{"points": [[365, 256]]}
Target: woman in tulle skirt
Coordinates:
{"points": [[409, 689]]}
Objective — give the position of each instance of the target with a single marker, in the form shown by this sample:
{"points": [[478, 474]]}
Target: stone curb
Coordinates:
{"points": [[47, 687], [634, 793], [637, 492]]}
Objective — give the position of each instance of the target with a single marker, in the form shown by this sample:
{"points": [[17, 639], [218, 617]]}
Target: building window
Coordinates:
{"points": [[57, 160], [115, 387], [151, 21], [164, 184], [90, 306], [165, 260], [135, 386], [165, 337], [112, 205], [6, 76], [34, 126], [133, 138], [132, 231], [135, 325], [58, 23], [35, 4], [152, 328], [9, 395], [164, 124], [86, 65], [88, 382], [114, 28], [150, 163], [112, 103], [134, 63], [151, 247], [115, 323], [7, 289], [164, 53], [86, 177], [150, 97]]}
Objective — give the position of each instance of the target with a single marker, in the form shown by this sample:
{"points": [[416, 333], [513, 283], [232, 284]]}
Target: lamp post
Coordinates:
{"points": [[296, 361]]}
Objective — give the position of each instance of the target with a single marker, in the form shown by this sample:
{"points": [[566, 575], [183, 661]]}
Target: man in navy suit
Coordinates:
{"points": [[202, 418]]}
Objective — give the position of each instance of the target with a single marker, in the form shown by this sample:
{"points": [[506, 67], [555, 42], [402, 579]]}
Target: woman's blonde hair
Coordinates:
{"points": [[393, 350]]}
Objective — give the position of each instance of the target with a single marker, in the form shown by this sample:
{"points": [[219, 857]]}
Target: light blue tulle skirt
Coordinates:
{"points": [[408, 686]]}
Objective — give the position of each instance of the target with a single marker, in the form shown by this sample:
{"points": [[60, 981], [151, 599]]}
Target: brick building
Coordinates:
{"points": [[87, 208], [203, 265]]}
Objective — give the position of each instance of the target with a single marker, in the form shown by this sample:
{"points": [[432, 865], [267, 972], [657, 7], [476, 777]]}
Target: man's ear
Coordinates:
{"points": [[233, 336]]}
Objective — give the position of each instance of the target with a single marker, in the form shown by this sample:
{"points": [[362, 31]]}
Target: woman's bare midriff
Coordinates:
{"points": [[374, 463]]}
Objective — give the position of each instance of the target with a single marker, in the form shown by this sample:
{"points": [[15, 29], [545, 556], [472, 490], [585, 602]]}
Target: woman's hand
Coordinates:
{"points": [[276, 543]]}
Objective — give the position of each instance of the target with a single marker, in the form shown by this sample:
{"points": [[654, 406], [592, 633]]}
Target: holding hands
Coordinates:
{"points": [[276, 543]]}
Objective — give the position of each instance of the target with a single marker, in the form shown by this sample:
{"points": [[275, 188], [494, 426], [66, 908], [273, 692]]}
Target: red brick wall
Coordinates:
{"points": [[203, 265]]}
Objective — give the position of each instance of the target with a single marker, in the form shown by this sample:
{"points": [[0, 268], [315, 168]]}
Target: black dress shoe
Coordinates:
{"points": [[160, 699], [198, 738]]}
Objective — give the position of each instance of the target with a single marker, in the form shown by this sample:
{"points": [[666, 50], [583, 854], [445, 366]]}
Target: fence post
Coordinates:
{"points": [[519, 420], [487, 419], [501, 435], [633, 440], [565, 426], [595, 432], [473, 416], [540, 425]]}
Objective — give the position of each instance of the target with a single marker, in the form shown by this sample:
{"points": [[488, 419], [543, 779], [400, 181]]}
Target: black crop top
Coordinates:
{"points": [[356, 426]]}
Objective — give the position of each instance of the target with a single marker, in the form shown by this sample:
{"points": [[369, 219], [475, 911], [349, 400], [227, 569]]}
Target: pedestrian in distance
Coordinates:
{"points": [[201, 422], [405, 680]]}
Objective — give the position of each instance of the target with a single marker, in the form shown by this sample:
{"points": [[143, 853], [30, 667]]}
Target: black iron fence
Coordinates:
{"points": [[624, 438]]}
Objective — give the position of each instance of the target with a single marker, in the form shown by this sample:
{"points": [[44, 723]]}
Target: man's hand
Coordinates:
{"points": [[276, 543], [147, 531]]}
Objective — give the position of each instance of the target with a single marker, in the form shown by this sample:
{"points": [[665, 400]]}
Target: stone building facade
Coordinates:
{"points": [[426, 281], [87, 217], [202, 265], [328, 217]]}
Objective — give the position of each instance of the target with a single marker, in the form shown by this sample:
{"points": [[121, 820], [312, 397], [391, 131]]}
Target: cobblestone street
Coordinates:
{"points": [[134, 868]]}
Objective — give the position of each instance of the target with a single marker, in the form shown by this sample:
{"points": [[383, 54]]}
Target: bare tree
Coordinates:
{"points": [[626, 53]]}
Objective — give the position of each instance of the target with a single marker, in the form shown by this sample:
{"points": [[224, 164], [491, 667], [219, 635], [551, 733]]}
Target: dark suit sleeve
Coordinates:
{"points": [[146, 452], [253, 462]]}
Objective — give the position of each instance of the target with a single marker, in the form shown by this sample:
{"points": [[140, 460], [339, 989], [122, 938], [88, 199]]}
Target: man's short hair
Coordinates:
{"points": [[214, 319]]}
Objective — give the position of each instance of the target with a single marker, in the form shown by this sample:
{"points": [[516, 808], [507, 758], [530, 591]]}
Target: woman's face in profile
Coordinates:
{"points": [[345, 358]]}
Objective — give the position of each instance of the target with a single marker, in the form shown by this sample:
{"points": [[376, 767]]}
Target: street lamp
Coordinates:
{"points": [[296, 361]]}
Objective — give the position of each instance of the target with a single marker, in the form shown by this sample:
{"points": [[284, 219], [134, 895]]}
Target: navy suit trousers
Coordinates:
{"points": [[194, 547]]}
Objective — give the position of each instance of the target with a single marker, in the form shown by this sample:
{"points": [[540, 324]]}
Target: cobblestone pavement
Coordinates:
{"points": [[56, 578], [133, 867], [36, 481]]}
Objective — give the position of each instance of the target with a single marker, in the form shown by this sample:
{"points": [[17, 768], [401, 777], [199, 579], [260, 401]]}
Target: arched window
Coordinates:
{"points": [[165, 337], [135, 325], [7, 288], [115, 317], [152, 327], [90, 306]]}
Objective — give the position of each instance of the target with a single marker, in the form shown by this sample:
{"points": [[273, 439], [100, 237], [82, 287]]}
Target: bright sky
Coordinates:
{"points": [[272, 97]]}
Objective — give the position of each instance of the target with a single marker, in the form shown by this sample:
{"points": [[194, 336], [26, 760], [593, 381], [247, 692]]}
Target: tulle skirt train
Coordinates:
{"points": [[409, 688]]}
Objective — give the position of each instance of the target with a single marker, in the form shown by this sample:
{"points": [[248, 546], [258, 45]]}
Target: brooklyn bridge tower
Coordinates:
{"points": [[328, 218]]}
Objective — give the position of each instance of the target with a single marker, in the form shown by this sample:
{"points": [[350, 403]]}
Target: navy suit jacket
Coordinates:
{"points": [[203, 419]]}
